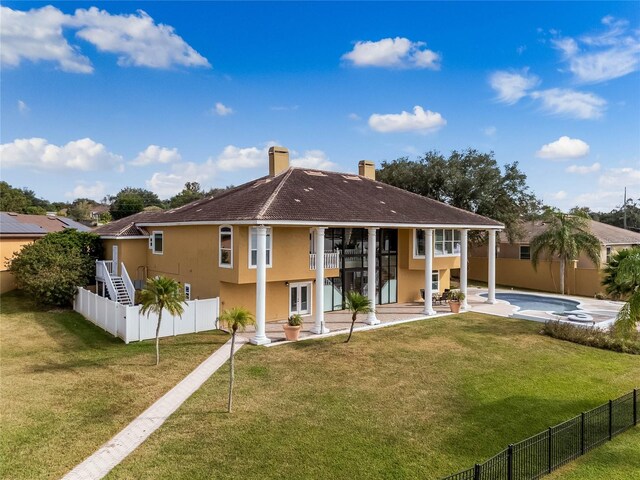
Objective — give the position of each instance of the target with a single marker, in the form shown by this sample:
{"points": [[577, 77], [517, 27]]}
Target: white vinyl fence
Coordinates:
{"points": [[130, 325]]}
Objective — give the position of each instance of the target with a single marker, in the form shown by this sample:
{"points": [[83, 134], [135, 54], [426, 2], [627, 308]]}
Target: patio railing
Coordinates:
{"points": [[331, 260], [543, 453]]}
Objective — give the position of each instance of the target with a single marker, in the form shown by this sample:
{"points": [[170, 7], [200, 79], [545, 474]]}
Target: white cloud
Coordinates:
{"points": [[167, 184], [561, 195], [512, 86], [418, 121], [490, 131], [571, 103], [37, 153], [605, 56], [564, 148], [23, 107], [221, 109], [234, 158], [354, 116], [38, 34], [315, 159], [598, 200], [583, 169], [393, 52], [155, 154], [96, 191], [620, 177]]}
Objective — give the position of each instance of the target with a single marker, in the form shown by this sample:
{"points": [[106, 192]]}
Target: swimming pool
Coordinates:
{"points": [[537, 302]]}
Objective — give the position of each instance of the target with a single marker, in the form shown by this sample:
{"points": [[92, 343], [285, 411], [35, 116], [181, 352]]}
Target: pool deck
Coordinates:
{"points": [[394, 314]]}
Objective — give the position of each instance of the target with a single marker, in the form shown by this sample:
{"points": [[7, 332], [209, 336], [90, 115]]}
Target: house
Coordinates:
{"points": [[514, 268], [294, 241], [17, 230]]}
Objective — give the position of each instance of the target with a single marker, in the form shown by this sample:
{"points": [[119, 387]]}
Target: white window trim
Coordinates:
{"points": [[437, 273], [153, 242], [435, 255], [270, 262], [187, 291], [520, 252], [226, 265], [309, 297]]}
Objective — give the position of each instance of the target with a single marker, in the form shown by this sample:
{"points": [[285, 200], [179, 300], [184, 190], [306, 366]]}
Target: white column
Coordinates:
{"points": [[371, 275], [491, 278], [319, 327], [260, 337], [463, 267], [428, 269]]}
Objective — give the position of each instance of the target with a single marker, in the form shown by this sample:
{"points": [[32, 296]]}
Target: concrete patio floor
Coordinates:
{"points": [[339, 322]]}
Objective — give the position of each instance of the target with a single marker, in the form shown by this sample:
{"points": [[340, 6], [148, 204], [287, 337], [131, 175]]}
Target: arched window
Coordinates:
{"points": [[226, 247]]}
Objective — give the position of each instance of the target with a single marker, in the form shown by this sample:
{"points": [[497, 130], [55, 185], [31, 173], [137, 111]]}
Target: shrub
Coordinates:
{"points": [[295, 320], [592, 337], [52, 268]]}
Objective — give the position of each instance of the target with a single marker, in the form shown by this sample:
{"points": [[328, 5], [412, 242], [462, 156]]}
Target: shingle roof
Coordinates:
{"points": [[313, 196], [126, 227], [22, 224], [607, 234]]}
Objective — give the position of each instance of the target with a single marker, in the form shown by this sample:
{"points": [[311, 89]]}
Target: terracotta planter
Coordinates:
{"points": [[455, 307], [292, 333]]}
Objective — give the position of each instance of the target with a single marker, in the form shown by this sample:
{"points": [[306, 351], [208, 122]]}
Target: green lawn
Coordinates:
{"points": [[419, 400], [68, 386]]}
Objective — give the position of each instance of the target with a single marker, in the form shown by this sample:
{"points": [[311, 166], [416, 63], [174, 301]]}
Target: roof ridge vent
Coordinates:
{"points": [[315, 173], [352, 177]]}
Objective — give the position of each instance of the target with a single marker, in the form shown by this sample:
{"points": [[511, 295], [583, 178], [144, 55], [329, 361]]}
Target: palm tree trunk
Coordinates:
{"points": [[353, 321], [562, 267], [158, 338], [231, 369]]}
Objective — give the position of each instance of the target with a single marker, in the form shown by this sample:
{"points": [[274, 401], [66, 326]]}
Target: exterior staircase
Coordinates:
{"points": [[122, 296], [118, 288]]}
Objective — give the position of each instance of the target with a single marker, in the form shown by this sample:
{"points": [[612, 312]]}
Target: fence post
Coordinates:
{"points": [[476, 472], [635, 406], [510, 462], [549, 449], [582, 433], [610, 419]]}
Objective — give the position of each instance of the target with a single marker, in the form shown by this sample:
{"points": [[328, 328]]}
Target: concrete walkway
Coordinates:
{"points": [[115, 450]]}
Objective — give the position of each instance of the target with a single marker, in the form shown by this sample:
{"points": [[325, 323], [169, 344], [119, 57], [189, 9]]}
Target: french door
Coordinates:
{"points": [[300, 298]]}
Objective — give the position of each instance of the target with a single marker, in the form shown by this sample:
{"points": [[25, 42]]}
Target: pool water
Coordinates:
{"points": [[537, 302]]}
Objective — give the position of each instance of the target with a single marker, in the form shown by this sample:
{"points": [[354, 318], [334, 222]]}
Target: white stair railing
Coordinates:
{"points": [[331, 260], [127, 282]]}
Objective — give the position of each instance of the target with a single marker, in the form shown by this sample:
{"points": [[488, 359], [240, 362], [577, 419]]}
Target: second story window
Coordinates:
{"points": [[609, 251], [253, 247], [226, 247], [157, 244], [525, 252], [446, 243]]}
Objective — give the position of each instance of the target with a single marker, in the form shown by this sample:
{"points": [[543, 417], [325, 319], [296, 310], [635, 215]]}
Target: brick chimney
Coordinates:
{"points": [[278, 160], [366, 168]]}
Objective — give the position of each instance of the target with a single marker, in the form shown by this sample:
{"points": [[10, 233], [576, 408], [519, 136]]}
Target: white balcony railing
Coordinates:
{"points": [[104, 268], [331, 260]]}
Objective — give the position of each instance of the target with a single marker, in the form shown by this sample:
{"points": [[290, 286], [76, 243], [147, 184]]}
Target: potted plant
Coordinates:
{"points": [[455, 298], [292, 327]]}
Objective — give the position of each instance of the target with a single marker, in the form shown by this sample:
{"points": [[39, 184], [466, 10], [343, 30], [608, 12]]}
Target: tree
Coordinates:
{"points": [[21, 200], [104, 217], [238, 318], [356, 303], [189, 193], [132, 200], [80, 210], [52, 268], [609, 281], [566, 236], [626, 277], [162, 293], [470, 180]]}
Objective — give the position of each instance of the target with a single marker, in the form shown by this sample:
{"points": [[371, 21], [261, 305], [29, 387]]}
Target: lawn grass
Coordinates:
{"points": [[419, 400], [67, 386]]}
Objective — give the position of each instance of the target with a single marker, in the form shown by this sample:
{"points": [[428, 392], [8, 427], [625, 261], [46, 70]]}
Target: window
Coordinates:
{"points": [[525, 252], [225, 259], [435, 281], [187, 291], [446, 243], [609, 253], [253, 247], [157, 243], [300, 298]]}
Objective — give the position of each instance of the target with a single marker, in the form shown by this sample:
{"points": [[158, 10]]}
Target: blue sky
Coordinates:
{"points": [[198, 91]]}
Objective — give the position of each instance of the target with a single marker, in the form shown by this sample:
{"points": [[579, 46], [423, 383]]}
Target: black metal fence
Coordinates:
{"points": [[541, 454]]}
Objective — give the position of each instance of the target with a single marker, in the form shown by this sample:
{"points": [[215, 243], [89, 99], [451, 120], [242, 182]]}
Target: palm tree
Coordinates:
{"points": [[611, 272], [162, 293], [627, 280], [567, 236], [356, 303], [234, 319]]}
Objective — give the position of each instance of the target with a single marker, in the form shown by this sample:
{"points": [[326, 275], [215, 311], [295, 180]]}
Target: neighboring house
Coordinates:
{"points": [[295, 241], [97, 210], [514, 268], [17, 230]]}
